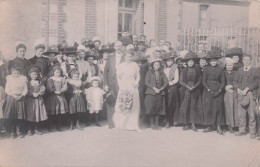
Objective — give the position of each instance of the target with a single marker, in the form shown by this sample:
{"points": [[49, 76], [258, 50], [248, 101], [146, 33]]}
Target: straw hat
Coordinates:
{"points": [[95, 78]]}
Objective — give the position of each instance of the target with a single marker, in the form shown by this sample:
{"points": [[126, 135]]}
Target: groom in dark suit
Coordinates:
{"points": [[110, 79]]}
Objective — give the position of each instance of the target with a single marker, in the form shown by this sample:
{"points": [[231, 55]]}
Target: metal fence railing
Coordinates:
{"points": [[246, 38]]}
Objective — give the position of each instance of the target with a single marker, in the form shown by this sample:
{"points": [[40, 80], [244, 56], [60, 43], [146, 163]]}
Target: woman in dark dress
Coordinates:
{"points": [[214, 82], [172, 95], [3, 70], [51, 53], [156, 83], [20, 61], [181, 65], [70, 63], [41, 62], [230, 97], [190, 80]]}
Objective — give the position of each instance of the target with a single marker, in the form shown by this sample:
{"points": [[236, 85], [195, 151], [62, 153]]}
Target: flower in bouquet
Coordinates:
{"points": [[125, 98]]}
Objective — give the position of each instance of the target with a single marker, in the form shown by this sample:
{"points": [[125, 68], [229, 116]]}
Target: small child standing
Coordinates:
{"points": [[95, 98], [75, 96], [56, 104], [34, 103], [156, 82], [16, 89]]}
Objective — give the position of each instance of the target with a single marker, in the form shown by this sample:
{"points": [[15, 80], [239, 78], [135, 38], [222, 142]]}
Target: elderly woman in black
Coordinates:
{"points": [[190, 80], [214, 82]]}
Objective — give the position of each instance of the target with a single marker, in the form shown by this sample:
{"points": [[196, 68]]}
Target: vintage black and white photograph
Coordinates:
{"points": [[130, 83]]}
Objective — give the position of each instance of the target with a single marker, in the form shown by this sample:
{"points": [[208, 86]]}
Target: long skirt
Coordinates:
{"points": [[14, 108], [258, 119], [77, 104], [1, 110], [231, 108], [127, 120], [35, 109], [155, 104], [56, 104], [172, 104], [190, 110], [213, 112], [142, 96]]}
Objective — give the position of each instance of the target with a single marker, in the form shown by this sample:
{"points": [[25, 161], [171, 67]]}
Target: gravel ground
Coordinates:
{"points": [[103, 147]]}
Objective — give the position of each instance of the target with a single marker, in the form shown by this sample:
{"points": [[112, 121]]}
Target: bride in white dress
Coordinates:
{"points": [[127, 106]]}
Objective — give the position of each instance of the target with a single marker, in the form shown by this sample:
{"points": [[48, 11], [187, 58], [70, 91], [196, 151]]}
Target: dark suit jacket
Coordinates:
{"points": [[252, 79], [110, 77]]}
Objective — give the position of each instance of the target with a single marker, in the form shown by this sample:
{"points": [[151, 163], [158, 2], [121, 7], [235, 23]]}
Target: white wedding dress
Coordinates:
{"points": [[128, 78]]}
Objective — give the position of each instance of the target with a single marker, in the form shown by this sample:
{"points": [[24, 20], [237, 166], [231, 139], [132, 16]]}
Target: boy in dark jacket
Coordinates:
{"points": [[246, 84]]}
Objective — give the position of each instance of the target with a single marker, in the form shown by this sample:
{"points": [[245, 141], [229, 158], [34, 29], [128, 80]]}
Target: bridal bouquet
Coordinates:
{"points": [[125, 99]]}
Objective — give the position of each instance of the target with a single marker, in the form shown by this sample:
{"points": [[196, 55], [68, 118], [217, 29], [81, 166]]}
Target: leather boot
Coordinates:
{"points": [[230, 129], [194, 128], [19, 133], [58, 125], [167, 125], [29, 133], [96, 120], [151, 119], [156, 122], [208, 129], [13, 135], [71, 126], [186, 127], [78, 126], [50, 123], [219, 130]]}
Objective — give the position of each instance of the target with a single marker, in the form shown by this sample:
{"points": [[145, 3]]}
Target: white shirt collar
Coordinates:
{"points": [[247, 68]]}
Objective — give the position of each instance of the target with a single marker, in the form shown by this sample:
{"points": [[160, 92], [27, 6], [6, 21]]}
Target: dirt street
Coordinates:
{"points": [[103, 147]]}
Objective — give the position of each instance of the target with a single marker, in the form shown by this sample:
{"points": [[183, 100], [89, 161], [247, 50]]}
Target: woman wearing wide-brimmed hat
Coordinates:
{"points": [[202, 59], [51, 53], [236, 55], [214, 83], [104, 53], [91, 56], [172, 96], [156, 82], [70, 63], [190, 80]]}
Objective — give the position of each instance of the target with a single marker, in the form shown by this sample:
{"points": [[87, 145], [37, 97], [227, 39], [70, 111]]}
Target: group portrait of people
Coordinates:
{"points": [[135, 82]]}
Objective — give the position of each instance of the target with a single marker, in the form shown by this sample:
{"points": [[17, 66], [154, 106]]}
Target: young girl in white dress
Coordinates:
{"points": [[16, 89], [127, 108], [95, 98]]}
